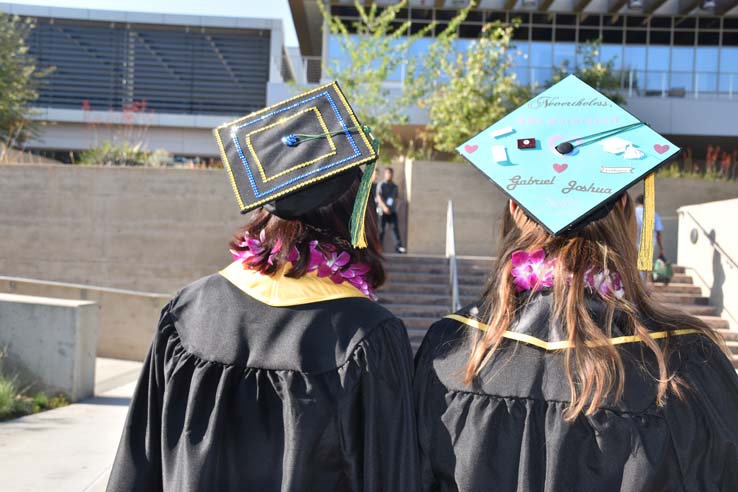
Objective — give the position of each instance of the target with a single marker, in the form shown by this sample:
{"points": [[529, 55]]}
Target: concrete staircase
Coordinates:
{"points": [[417, 290]]}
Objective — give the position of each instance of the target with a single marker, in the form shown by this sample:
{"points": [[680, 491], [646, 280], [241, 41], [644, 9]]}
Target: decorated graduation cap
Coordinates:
{"points": [[299, 155], [566, 155]]}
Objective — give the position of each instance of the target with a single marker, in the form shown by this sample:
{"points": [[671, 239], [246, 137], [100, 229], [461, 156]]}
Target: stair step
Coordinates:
{"points": [[716, 323], [438, 278], [681, 278], [436, 269], [428, 288], [694, 309], [675, 289], [732, 346], [391, 298], [418, 310], [680, 299], [418, 322], [728, 335]]}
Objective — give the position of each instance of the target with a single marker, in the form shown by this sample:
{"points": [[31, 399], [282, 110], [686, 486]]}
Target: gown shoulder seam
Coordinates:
{"points": [[192, 353], [543, 400]]}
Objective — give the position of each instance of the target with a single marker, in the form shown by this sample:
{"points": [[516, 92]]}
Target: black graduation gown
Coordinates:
{"points": [[507, 431], [237, 394]]}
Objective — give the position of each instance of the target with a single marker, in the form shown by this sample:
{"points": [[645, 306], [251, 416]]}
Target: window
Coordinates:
{"points": [[541, 33], [588, 35], [659, 37], [708, 38], [635, 37], [540, 55], [663, 22], [612, 52], [684, 38], [589, 20], [658, 58], [565, 53], [565, 34], [612, 36]]}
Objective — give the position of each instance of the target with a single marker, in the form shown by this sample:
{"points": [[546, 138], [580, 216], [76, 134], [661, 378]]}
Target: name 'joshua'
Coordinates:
{"points": [[574, 186]]}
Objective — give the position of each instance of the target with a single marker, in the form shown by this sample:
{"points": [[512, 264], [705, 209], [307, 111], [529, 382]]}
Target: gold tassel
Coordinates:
{"points": [[645, 250]]}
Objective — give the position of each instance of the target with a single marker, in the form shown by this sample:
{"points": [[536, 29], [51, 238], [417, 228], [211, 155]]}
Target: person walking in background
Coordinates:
{"points": [[689, 165], [387, 196], [710, 159], [726, 163]]}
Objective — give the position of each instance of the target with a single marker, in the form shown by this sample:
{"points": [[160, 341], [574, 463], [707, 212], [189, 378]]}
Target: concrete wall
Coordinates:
{"points": [[50, 342], [145, 229], [155, 230], [478, 206], [127, 320], [708, 246]]}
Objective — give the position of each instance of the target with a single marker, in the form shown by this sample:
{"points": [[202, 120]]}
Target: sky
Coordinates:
{"points": [[238, 8]]}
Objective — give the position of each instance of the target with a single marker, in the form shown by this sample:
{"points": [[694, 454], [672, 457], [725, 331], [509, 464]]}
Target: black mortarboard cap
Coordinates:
{"points": [[298, 155]]}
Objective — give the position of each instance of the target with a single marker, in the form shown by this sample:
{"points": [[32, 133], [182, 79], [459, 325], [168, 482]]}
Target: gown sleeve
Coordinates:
{"points": [[704, 425], [137, 464], [429, 400], [378, 427]]}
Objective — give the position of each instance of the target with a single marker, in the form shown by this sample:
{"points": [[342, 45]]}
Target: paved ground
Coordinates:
{"points": [[69, 449]]}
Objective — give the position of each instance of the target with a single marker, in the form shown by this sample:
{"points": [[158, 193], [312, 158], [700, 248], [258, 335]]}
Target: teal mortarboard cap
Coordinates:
{"points": [[299, 155], [567, 154]]}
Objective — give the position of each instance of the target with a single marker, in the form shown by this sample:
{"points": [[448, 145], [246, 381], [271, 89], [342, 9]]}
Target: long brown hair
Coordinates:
{"points": [[594, 367], [329, 225]]}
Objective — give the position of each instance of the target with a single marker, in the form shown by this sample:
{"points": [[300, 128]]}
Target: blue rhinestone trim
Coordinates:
{"points": [[260, 194]]}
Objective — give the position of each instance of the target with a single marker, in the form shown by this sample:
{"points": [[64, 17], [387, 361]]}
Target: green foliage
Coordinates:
{"points": [[13, 403], [463, 92], [7, 396], [466, 92], [378, 45], [122, 154], [377, 48], [600, 75], [19, 82]]}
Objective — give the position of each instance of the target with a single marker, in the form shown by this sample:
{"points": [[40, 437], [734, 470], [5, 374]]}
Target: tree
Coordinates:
{"points": [[19, 82], [600, 75], [378, 45], [466, 91]]}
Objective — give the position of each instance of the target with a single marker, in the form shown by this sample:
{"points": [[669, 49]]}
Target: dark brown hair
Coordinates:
{"points": [[594, 368], [329, 225]]}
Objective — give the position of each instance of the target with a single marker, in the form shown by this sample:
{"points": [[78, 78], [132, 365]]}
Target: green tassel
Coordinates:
{"points": [[358, 231]]}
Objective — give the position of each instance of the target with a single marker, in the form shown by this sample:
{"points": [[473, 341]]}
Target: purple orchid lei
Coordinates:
{"points": [[325, 260], [532, 271]]}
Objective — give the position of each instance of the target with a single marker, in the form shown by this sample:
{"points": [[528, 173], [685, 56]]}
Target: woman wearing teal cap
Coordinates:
{"points": [[566, 375]]}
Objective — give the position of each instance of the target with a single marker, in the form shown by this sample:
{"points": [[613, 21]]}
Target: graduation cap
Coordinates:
{"points": [[566, 155], [299, 155]]}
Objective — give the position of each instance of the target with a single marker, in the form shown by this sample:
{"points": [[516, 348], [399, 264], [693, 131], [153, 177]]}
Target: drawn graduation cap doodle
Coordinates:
{"points": [[596, 150], [299, 155]]}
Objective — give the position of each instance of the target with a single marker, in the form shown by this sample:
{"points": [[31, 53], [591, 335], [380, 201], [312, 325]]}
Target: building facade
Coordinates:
{"points": [[163, 81], [677, 60]]}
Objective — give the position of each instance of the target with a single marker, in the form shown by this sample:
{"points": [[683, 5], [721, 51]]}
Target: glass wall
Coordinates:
{"points": [[654, 56]]}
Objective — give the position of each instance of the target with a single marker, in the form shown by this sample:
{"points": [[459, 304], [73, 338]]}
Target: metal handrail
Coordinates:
{"points": [[453, 276]]}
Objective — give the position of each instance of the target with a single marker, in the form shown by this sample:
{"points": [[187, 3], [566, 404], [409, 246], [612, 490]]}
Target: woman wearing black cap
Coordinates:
{"points": [[281, 373], [567, 375]]}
